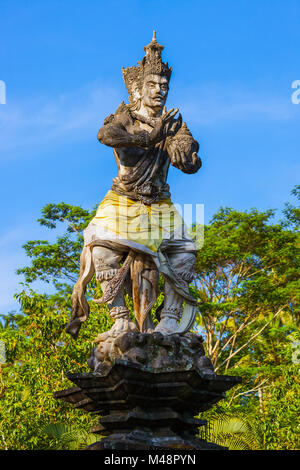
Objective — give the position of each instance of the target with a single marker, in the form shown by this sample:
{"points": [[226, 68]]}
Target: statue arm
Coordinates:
{"points": [[182, 149], [115, 135], [114, 131]]}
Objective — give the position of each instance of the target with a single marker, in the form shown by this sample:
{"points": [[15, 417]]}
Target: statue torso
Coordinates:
{"points": [[142, 172]]}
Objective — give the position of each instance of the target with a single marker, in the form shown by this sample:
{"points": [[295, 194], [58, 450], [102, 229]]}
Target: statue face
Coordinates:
{"points": [[155, 91]]}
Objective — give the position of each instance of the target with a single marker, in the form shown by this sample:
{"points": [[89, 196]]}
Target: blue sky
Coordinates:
{"points": [[233, 66]]}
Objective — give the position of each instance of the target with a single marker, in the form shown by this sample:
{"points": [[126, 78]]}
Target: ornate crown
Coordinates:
{"points": [[150, 64]]}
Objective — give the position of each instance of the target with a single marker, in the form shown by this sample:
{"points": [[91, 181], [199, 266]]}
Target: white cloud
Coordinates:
{"points": [[40, 120], [215, 103], [9, 281], [12, 257], [9, 237]]}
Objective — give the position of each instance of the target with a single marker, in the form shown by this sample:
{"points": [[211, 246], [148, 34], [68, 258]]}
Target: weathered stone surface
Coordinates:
{"points": [[147, 440], [147, 382], [145, 408], [137, 232], [152, 350]]}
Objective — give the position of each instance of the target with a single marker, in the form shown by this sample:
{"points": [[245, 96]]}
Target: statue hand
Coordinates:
{"points": [[159, 130], [188, 165]]}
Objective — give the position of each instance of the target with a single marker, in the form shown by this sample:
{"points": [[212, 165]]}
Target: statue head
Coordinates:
{"points": [[148, 83], [154, 91]]}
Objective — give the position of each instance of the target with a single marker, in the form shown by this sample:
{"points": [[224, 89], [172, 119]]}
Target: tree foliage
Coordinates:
{"points": [[38, 354], [233, 432], [247, 280], [57, 262]]}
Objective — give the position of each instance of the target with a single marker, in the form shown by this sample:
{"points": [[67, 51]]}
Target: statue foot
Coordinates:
{"points": [[105, 350], [167, 326], [121, 325]]}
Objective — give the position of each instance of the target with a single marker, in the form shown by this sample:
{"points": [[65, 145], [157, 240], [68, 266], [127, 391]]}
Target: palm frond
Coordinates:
{"points": [[68, 437], [234, 432]]}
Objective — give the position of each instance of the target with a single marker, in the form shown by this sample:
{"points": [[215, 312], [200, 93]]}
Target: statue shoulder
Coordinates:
{"points": [[120, 116]]}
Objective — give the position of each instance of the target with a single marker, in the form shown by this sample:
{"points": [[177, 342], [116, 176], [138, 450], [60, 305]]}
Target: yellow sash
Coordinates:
{"points": [[132, 220]]}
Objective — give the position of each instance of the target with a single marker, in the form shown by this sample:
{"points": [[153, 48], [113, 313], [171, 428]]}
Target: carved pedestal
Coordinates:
{"points": [[148, 408]]}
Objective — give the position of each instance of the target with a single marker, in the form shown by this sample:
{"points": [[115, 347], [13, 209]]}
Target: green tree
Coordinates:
{"points": [[39, 353], [247, 280], [38, 350], [247, 275], [58, 263]]}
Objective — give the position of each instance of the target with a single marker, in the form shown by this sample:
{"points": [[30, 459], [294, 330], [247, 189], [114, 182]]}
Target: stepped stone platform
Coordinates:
{"points": [[142, 408]]}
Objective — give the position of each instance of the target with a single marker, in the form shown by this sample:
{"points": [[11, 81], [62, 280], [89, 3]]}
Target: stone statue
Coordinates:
{"points": [[146, 383], [137, 233]]}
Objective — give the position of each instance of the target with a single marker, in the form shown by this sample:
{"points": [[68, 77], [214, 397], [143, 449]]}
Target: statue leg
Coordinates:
{"points": [[183, 263], [107, 264], [144, 276]]}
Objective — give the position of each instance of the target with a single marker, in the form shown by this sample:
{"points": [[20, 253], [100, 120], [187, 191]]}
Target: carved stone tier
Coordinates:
{"points": [[147, 409]]}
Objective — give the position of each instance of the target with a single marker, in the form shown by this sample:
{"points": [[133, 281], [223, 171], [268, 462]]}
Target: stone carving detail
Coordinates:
{"points": [[146, 382], [148, 409], [151, 64], [152, 351], [146, 139]]}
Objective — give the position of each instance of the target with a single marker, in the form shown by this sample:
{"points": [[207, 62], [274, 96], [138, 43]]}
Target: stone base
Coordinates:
{"points": [[145, 408], [146, 440], [153, 351]]}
